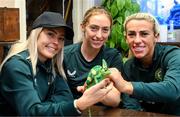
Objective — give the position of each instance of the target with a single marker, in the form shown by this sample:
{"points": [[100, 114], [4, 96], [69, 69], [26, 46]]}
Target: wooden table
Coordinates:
{"points": [[102, 111], [170, 43]]}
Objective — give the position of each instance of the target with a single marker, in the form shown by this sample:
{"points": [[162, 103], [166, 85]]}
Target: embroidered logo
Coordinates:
{"points": [[158, 75], [71, 74]]}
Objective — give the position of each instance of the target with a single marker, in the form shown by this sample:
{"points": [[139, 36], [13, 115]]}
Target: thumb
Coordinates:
{"points": [[101, 84], [80, 89]]}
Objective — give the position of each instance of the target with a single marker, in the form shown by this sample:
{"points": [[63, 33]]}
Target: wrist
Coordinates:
{"points": [[80, 105], [128, 88], [76, 107]]}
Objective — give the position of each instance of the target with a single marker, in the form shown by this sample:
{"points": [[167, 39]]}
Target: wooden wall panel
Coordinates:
{"points": [[1, 54], [9, 24]]}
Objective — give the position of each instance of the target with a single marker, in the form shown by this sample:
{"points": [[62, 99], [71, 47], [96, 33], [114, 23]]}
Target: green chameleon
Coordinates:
{"points": [[97, 74]]}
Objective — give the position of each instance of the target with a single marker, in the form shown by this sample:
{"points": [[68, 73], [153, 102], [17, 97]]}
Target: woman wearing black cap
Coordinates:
{"points": [[32, 79]]}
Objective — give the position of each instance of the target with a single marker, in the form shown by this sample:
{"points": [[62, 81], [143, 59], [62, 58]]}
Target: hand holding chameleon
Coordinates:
{"points": [[97, 74]]}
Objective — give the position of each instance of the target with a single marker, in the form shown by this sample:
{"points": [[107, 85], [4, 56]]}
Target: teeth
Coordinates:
{"points": [[138, 48], [51, 48]]}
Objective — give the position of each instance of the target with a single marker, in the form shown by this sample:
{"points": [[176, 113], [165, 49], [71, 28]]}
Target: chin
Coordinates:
{"points": [[97, 46], [50, 56], [139, 56]]}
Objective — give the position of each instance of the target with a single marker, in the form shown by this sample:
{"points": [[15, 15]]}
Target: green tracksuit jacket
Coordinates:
{"points": [[156, 88], [23, 94], [77, 68]]}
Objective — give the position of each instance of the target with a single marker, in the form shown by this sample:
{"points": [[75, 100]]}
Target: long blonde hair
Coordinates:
{"points": [[31, 45]]}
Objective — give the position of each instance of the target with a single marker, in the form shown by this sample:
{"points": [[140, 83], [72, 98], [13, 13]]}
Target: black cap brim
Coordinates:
{"points": [[53, 20]]}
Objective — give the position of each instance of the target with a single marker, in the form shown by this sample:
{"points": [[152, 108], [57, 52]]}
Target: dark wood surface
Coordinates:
{"points": [[117, 112], [170, 43]]}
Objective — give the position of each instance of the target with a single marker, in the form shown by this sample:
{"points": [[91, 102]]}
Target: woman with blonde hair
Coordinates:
{"points": [[151, 77], [32, 79]]}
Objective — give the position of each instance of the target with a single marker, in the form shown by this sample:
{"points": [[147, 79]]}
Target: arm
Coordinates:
{"points": [[113, 98], [154, 91], [168, 89], [131, 103], [94, 94], [17, 87]]}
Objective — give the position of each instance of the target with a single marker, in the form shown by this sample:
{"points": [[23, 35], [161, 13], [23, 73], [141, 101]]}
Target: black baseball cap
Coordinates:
{"points": [[50, 19]]}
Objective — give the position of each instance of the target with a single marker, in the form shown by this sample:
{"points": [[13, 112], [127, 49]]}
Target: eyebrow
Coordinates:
{"points": [[138, 31], [51, 30], [99, 26]]}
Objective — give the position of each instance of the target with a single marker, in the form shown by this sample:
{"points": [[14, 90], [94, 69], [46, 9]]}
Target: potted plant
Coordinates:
{"points": [[119, 10]]}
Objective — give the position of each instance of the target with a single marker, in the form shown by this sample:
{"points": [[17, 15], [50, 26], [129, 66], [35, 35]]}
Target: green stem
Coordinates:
{"points": [[89, 111]]}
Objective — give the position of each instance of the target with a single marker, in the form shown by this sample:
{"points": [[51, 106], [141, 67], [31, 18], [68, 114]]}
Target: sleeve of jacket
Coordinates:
{"points": [[131, 103], [19, 91], [166, 91]]}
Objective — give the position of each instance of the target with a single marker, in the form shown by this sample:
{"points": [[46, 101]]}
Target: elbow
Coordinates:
{"points": [[172, 93], [173, 97]]}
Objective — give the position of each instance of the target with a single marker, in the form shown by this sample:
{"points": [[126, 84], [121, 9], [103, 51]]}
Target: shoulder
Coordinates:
{"points": [[17, 62], [166, 48], [71, 48], [113, 57], [111, 52], [168, 52]]}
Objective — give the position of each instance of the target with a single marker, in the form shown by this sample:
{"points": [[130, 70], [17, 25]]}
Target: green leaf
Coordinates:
{"points": [[112, 44], [114, 10], [108, 5], [136, 7], [120, 20], [118, 33], [124, 45], [128, 4], [119, 10], [114, 34], [120, 4], [103, 2], [127, 13], [124, 59]]}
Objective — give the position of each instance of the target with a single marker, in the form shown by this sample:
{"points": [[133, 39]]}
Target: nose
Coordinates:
{"points": [[137, 39], [99, 33], [56, 41]]}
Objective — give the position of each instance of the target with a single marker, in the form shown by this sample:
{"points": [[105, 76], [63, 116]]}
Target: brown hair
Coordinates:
{"points": [[94, 11]]}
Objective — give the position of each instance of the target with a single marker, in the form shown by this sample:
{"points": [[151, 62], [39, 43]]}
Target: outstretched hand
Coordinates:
{"points": [[119, 82], [94, 94]]}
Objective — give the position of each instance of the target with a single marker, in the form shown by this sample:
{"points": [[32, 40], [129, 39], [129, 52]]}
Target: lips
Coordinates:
{"points": [[97, 42], [51, 49], [138, 48]]}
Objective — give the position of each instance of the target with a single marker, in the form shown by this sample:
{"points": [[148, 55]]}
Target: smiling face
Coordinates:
{"points": [[141, 38], [49, 43], [96, 31]]}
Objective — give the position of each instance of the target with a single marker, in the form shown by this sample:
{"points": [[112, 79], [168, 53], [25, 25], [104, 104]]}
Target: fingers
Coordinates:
{"points": [[101, 84], [105, 89], [81, 89], [115, 75], [109, 87]]}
